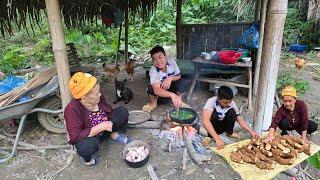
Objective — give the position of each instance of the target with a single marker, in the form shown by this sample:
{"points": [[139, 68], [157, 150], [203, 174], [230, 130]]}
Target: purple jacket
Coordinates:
{"points": [[77, 119], [298, 119]]}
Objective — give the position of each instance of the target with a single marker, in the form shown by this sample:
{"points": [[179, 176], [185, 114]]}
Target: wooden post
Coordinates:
{"points": [[118, 48], [178, 30], [126, 28], [59, 49], [258, 60], [276, 15], [258, 10]]}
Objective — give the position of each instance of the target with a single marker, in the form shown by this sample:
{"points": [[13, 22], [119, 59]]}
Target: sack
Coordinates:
{"points": [[250, 37]]}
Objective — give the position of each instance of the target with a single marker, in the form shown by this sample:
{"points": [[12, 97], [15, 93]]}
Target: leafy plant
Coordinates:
{"points": [[315, 160], [43, 52], [13, 58], [286, 79]]}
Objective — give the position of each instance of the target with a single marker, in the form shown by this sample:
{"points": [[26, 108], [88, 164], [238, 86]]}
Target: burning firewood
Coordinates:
{"points": [[198, 158]]}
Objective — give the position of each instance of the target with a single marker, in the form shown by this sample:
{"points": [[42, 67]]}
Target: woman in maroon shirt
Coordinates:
{"points": [[89, 119], [292, 115]]}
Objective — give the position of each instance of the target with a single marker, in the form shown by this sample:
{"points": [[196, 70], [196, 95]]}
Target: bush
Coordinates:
{"points": [[13, 58]]}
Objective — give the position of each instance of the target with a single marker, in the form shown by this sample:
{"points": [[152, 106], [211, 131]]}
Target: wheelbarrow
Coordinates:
{"points": [[40, 95]]}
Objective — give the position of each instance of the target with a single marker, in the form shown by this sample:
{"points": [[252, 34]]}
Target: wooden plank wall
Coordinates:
{"points": [[197, 38]]}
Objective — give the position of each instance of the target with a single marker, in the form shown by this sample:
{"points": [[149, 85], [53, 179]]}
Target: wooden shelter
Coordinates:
{"points": [[78, 12], [75, 13]]}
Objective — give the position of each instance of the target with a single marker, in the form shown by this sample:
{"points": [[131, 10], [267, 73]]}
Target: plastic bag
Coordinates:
{"points": [[250, 37], [10, 83]]}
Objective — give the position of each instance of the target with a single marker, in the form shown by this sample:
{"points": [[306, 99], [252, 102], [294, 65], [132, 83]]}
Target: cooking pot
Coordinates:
{"points": [[184, 121]]}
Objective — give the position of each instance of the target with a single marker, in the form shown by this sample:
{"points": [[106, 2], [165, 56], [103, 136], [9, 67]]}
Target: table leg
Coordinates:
{"points": [[250, 89], [194, 81], [193, 84]]}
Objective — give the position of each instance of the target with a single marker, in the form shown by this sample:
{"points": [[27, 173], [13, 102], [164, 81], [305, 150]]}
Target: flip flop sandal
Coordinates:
{"points": [[235, 135], [147, 108], [93, 162], [184, 105], [122, 139]]}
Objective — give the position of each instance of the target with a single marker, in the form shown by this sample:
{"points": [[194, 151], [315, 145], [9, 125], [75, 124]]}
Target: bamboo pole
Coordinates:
{"points": [[178, 29], [276, 15], [59, 49], [126, 29], [258, 60], [118, 48], [258, 10]]}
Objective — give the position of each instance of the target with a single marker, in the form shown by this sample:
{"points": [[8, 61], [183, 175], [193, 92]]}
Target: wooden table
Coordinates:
{"points": [[248, 66]]}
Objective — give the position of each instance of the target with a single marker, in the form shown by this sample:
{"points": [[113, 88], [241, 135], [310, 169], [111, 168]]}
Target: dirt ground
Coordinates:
{"points": [[33, 164]]}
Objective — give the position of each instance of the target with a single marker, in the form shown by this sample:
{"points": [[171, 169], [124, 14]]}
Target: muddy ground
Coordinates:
{"points": [[33, 164]]}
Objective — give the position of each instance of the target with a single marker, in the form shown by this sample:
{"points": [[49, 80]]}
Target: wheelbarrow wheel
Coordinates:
{"points": [[52, 122]]}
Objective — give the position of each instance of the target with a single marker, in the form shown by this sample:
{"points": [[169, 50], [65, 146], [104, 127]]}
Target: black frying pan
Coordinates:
{"points": [[183, 121]]}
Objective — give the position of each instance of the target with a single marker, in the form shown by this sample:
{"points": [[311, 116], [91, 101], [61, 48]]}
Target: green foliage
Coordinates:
{"points": [[13, 58], [42, 51], [205, 11], [315, 160], [311, 33], [298, 29], [293, 27], [287, 79], [159, 28]]}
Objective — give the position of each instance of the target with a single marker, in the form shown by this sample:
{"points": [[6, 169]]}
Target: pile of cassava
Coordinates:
{"points": [[282, 149]]}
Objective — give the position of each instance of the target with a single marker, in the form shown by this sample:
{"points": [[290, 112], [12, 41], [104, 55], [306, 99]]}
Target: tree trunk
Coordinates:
{"points": [[272, 41], [178, 29], [314, 10]]}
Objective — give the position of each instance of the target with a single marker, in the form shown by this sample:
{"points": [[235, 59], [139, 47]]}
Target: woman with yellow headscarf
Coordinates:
{"points": [[90, 120], [292, 115]]}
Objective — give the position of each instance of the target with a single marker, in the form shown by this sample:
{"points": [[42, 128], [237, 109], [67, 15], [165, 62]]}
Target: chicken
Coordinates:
{"points": [[129, 68], [299, 63], [111, 71]]}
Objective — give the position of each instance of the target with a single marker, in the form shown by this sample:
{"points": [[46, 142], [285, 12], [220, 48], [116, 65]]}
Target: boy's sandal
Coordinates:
{"points": [[93, 162], [235, 135], [147, 108], [184, 105], [122, 139]]}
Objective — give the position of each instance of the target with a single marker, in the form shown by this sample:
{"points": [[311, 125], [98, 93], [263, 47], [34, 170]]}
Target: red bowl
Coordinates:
{"points": [[229, 56]]}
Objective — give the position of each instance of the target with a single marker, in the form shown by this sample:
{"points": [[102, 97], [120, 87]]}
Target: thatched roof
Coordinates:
{"points": [[75, 12]]}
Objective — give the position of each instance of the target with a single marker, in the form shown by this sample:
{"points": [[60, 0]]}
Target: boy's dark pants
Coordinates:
{"points": [[226, 125], [180, 86], [89, 146], [284, 126]]}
